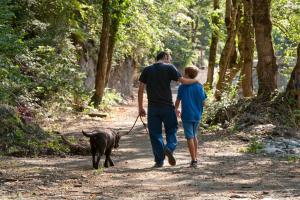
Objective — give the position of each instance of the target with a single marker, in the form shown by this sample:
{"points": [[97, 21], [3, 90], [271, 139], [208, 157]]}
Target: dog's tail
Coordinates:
{"points": [[90, 134]]}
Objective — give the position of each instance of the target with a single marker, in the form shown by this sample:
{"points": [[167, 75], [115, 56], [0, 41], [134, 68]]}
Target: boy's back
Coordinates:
{"points": [[192, 98]]}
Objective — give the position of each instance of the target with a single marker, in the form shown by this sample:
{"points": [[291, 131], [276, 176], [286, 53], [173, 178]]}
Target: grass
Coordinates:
{"points": [[255, 146]]}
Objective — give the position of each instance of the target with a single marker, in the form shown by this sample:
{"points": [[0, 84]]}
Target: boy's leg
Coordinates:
{"points": [[195, 140], [189, 135], [155, 133], [191, 147]]}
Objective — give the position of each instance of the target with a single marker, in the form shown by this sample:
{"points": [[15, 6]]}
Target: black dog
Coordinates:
{"points": [[102, 142]]}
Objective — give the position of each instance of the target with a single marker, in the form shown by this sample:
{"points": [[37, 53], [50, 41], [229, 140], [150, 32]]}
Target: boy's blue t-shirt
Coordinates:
{"points": [[192, 98]]}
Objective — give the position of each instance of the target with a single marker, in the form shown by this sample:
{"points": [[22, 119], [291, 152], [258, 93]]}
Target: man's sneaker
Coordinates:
{"points": [[194, 164], [158, 165], [170, 156]]}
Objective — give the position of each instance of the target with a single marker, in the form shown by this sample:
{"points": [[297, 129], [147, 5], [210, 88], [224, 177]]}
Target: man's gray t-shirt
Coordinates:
{"points": [[157, 78]]}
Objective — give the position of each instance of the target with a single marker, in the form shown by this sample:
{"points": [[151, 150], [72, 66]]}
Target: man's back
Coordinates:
{"points": [[157, 78]]}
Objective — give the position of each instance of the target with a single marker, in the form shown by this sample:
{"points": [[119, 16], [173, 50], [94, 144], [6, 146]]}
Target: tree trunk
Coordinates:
{"points": [[247, 49], [266, 66], [293, 79], [123, 76], [233, 67], [293, 87], [213, 46], [103, 55], [232, 24], [115, 23], [112, 41]]}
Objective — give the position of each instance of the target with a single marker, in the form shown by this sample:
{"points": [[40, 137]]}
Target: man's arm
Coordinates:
{"points": [[187, 81], [142, 111], [176, 76]]}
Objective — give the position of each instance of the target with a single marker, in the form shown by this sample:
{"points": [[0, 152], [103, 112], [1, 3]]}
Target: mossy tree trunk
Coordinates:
{"points": [[103, 55], [247, 31], [123, 76], [232, 24], [266, 66], [293, 87], [115, 23], [214, 44]]}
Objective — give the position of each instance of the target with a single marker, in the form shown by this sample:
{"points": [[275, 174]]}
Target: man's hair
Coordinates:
{"points": [[161, 55], [191, 71]]}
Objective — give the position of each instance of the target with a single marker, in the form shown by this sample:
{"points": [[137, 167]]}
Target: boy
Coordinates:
{"points": [[192, 98]]}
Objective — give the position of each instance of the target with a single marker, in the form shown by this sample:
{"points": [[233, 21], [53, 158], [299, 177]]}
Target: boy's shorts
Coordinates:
{"points": [[190, 129]]}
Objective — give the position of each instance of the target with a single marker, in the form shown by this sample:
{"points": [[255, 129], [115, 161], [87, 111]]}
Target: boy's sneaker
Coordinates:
{"points": [[171, 158], [194, 164]]}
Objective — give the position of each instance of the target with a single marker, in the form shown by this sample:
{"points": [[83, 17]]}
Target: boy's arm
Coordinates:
{"points": [[142, 111], [177, 103], [187, 81]]}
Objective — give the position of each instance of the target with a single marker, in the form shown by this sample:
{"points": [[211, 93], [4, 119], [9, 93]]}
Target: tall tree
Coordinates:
{"points": [[293, 87], [117, 8], [266, 66], [248, 48], [214, 43], [232, 24], [103, 54]]}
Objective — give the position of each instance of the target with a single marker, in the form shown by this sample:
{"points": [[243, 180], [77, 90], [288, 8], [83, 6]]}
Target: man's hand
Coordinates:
{"points": [[142, 112], [178, 113]]}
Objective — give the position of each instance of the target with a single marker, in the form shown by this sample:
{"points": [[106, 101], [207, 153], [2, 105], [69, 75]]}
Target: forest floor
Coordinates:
{"points": [[223, 173]]}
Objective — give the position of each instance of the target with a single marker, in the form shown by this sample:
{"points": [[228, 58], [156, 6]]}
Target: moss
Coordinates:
{"points": [[19, 138]]}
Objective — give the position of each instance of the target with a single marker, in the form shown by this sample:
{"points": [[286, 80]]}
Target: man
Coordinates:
{"points": [[157, 78]]}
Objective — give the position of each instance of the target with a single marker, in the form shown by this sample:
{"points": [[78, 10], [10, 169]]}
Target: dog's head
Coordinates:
{"points": [[117, 140]]}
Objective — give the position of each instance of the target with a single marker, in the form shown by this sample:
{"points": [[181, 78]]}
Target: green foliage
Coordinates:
{"points": [[39, 61], [255, 146], [286, 28], [293, 158], [21, 138], [110, 99], [10, 40]]}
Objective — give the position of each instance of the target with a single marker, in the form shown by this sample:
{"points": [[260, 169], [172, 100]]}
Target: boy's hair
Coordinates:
{"points": [[161, 55], [191, 71]]}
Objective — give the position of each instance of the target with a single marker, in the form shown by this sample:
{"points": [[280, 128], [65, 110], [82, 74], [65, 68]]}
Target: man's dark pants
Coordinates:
{"points": [[156, 116]]}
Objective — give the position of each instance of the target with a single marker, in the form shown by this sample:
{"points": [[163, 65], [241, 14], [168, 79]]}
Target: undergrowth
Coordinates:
{"points": [[21, 138]]}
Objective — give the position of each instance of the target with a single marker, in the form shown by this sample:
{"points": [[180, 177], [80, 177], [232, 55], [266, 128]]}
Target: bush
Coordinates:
{"points": [[20, 138]]}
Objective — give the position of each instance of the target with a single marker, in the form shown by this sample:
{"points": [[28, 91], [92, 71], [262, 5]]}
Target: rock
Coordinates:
{"points": [[236, 196], [264, 128], [296, 151], [291, 142], [102, 115], [269, 149]]}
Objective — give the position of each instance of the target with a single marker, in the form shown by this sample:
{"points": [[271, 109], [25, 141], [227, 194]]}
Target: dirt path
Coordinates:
{"points": [[223, 172]]}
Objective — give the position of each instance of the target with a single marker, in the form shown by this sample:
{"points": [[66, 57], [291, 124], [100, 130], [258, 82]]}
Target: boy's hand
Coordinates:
{"points": [[142, 112], [178, 113]]}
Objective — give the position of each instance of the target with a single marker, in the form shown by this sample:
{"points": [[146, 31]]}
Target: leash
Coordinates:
{"points": [[144, 124]]}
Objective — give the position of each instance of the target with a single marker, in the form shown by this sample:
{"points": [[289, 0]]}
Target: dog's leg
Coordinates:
{"points": [[93, 158], [106, 162], [108, 158], [98, 160]]}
